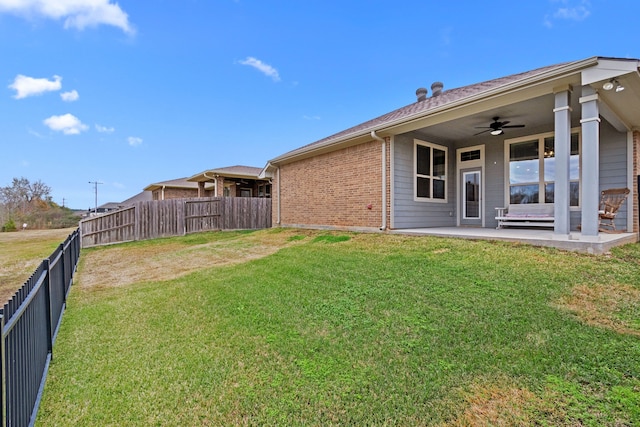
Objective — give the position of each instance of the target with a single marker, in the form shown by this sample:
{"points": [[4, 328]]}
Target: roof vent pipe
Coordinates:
{"points": [[436, 88], [421, 93]]}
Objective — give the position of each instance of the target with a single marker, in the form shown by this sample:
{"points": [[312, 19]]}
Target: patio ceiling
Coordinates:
{"points": [[536, 113]]}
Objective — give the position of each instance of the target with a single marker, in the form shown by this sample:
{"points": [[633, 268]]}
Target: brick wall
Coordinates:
{"points": [[341, 189], [178, 193]]}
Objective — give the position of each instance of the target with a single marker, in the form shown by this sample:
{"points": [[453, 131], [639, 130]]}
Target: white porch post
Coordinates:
{"points": [[562, 116], [590, 161]]}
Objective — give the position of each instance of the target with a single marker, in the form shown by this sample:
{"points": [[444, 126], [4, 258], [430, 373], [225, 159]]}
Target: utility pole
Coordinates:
{"points": [[95, 187]]}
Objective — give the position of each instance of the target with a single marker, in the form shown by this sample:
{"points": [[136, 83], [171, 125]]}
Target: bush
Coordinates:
{"points": [[9, 226]]}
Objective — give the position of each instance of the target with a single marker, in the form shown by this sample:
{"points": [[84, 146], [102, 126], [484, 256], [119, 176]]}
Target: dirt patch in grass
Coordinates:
{"points": [[160, 260], [614, 306], [497, 405]]}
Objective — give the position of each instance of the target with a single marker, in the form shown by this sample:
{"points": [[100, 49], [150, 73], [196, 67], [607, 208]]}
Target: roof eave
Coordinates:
{"points": [[386, 129]]}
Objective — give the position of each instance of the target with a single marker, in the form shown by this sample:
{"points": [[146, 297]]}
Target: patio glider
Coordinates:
{"points": [[525, 215], [610, 202]]}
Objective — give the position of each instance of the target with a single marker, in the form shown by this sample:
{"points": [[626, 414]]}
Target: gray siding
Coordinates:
{"points": [[407, 212], [613, 164], [411, 214]]}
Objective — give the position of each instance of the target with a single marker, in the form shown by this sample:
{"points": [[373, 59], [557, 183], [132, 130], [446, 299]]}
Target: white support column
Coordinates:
{"points": [[590, 162], [562, 149]]}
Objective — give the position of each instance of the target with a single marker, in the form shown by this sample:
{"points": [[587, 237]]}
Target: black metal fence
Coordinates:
{"points": [[28, 325]]}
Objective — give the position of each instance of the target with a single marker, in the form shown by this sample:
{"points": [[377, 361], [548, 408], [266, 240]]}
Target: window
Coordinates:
{"points": [[264, 190], [532, 170], [468, 156], [430, 171]]}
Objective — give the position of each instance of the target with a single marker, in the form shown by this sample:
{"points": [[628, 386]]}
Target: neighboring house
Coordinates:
{"points": [[444, 161], [233, 181], [143, 196], [104, 208], [177, 189]]}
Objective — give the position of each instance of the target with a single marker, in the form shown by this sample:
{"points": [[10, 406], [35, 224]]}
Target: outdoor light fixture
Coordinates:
{"points": [[608, 85], [611, 84]]}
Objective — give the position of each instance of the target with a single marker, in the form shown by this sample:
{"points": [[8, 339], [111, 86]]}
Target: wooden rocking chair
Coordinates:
{"points": [[610, 203]]}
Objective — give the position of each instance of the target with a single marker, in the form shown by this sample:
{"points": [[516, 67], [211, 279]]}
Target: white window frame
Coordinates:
{"points": [[445, 177], [541, 181]]}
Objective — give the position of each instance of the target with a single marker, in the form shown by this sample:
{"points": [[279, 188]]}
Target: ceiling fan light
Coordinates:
{"points": [[497, 132], [619, 88], [608, 85]]}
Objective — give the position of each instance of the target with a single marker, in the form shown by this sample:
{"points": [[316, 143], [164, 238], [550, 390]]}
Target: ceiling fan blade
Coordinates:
{"points": [[501, 124], [483, 127], [488, 130], [513, 126]]}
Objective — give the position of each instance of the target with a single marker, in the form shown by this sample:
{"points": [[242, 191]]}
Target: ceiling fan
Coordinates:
{"points": [[496, 128]]}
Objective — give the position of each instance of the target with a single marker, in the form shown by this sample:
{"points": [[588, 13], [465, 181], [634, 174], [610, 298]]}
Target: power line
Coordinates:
{"points": [[95, 187]]}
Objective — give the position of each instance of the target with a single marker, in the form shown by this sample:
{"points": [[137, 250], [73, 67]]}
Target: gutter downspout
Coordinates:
{"points": [[163, 192], [215, 183], [383, 227], [279, 199]]}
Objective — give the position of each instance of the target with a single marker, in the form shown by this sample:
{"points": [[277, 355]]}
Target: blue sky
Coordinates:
{"points": [[141, 91]]}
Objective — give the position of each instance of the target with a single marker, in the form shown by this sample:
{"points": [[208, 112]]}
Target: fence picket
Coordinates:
{"points": [[175, 217], [27, 333]]}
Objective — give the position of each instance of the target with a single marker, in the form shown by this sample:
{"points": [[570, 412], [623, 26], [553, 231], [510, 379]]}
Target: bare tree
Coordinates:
{"points": [[22, 197]]}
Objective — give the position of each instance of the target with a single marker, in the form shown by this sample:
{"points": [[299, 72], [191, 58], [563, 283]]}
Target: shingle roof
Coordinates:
{"points": [[143, 196], [238, 170], [433, 103], [173, 183]]}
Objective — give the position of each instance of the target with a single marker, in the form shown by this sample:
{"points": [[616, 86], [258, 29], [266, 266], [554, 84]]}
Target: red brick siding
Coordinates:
{"points": [[333, 189], [178, 193]]}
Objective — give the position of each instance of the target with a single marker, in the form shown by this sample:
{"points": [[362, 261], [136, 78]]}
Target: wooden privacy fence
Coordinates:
{"points": [[175, 217], [28, 326]]}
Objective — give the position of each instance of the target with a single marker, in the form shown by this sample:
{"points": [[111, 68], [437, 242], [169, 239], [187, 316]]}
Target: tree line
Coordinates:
{"points": [[30, 203]]}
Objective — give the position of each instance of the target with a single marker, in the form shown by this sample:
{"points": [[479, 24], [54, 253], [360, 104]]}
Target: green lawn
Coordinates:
{"points": [[354, 329]]}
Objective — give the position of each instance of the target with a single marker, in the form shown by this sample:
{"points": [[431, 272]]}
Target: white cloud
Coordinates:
{"points": [[569, 10], [70, 96], [266, 69], [28, 86], [134, 141], [78, 14], [67, 124], [104, 129], [34, 133]]}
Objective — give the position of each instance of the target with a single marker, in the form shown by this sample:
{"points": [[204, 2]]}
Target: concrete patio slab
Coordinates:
{"points": [[574, 241]]}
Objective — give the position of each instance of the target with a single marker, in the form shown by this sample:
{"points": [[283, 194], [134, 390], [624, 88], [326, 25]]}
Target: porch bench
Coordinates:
{"points": [[525, 215]]}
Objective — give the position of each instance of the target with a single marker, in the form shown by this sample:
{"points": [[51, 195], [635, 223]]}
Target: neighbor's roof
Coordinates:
{"points": [[109, 205], [143, 196], [238, 171], [445, 100], [173, 183]]}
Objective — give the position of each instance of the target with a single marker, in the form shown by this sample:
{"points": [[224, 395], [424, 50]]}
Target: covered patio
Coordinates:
{"points": [[573, 241]]}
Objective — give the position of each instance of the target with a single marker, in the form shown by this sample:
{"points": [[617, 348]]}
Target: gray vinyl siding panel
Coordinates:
{"points": [[407, 212], [494, 181], [613, 165]]}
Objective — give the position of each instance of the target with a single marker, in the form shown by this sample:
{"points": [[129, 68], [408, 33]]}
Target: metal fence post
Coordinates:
{"points": [[47, 298], [3, 374]]}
